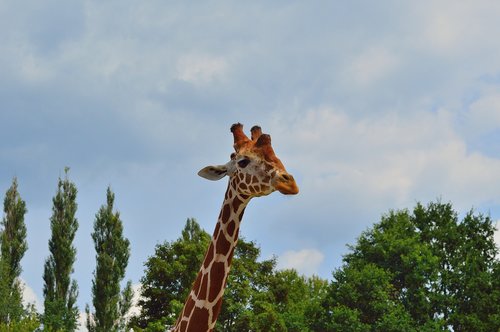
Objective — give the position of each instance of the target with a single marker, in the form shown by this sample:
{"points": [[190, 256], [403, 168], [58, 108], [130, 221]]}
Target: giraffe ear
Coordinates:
{"points": [[213, 173]]}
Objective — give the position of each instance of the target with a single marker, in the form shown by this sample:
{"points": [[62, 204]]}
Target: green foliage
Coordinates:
{"points": [[247, 278], [124, 305], [168, 277], [112, 254], [363, 297], [424, 271], [60, 292], [265, 317], [28, 323], [11, 307], [291, 299], [13, 245], [257, 297], [464, 292], [418, 271]]}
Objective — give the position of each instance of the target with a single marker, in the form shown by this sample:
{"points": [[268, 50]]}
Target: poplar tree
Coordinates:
{"points": [[13, 246], [60, 292], [112, 254]]}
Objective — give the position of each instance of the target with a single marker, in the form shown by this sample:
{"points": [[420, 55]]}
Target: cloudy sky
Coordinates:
{"points": [[371, 106]]}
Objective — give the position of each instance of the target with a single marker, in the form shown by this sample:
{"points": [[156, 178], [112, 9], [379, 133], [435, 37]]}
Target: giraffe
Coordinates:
{"points": [[253, 171]]}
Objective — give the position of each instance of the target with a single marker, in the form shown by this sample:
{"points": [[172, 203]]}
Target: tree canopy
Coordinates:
{"points": [[60, 291], [419, 271], [13, 245], [112, 254], [424, 270], [257, 297]]}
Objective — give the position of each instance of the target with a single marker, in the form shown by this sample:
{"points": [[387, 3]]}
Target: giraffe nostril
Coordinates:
{"points": [[285, 184]]}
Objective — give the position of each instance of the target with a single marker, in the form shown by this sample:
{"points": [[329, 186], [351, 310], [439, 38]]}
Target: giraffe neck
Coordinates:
{"points": [[204, 301]]}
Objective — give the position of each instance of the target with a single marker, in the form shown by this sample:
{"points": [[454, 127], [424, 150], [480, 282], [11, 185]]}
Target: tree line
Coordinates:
{"points": [[60, 291], [423, 269]]}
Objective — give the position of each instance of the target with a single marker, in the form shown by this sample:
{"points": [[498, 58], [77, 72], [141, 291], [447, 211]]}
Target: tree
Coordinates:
{"points": [[465, 291], [298, 299], [170, 273], [168, 278], [420, 271], [29, 322], [257, 298], [60, 292], [12, 249], [112, 254], [247, 279], [364, 297]]}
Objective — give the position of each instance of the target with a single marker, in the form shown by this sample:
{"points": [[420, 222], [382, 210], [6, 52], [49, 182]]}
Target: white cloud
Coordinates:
{"points": [[484, 114], [135, 309], [200, 69], [30, 297], [34, 70], [392, 158], [371, 66], [82, 320], [444, 28], [305, 261], [451, 28]]}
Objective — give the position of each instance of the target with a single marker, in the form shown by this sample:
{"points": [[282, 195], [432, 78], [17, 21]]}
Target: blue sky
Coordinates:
{"points": [[371, 106]]}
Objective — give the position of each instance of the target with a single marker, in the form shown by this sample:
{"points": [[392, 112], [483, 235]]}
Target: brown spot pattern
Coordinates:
{"points": [[217, 278], [210, 256], [236, 204], [197, 282], [204, 285], [230, 228], [216, 308], [230, 257], [199, 320], [225, 213], [189, 305], [216, 231], [223, 245], [241, 215]]}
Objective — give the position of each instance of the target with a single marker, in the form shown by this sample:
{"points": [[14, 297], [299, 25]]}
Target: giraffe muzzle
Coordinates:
{"points": [[286, 184]]}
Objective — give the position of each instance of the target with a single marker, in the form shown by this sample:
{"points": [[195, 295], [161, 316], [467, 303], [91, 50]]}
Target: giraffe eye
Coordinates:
{"points": [[243, 162]]}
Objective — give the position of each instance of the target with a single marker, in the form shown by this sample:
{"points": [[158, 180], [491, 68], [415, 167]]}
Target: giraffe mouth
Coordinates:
{"points": [[286, 185]]}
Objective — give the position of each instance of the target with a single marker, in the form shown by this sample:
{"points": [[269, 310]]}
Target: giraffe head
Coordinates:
{"points": [[254, 169]]}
